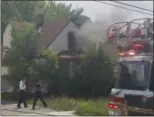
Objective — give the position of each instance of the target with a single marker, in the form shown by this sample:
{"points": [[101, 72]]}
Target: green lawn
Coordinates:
{"points": [[91, 107]]}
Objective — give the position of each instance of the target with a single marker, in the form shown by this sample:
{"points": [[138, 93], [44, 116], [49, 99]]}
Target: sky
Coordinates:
{"points": [[97, 11]]}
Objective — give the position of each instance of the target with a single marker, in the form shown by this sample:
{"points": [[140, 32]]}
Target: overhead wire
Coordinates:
{"points": [[123, 7], [132, 5]]}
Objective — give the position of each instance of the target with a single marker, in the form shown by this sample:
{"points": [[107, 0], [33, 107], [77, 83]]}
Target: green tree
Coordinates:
{"points": [[7, 15], [20, 10], [81, 20], [28, 10], [18, 58], [44, 66], [54, 11], [22, 59], [95, 77]]}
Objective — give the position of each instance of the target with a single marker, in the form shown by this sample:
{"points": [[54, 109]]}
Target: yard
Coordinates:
{"points": [[91, 107]]}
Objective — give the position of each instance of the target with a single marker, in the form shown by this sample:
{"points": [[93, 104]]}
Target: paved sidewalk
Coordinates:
{"points": [[10, 109]]}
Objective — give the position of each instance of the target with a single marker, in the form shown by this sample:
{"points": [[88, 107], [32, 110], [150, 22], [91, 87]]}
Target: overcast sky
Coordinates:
{"points": [[97, 11]]}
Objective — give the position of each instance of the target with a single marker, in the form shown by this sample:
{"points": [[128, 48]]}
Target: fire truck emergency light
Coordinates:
{"points": [[131, 53], [128, 53], [122, 54], [113, 106], [138, 46]]}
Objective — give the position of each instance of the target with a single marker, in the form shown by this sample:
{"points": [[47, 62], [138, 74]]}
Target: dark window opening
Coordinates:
{"points": [[39, 21], [71, 41]]}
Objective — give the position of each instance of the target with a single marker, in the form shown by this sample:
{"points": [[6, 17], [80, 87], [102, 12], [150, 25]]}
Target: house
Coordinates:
{"points": [[59, 35], [5, 85]]}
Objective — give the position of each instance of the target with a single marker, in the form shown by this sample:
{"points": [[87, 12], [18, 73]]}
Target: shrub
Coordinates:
{"points": [[92, 108], [14, 96], [95, 77]]}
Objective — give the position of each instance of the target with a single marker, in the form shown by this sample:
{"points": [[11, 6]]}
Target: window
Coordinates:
{"points": [[133, 75], [71, 40], [151, 79]]}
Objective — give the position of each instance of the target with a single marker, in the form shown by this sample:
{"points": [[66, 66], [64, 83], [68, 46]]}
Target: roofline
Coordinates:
{"points": [[57, 34], [69, 20]]}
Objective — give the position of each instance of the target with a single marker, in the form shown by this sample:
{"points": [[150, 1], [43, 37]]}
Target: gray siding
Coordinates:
{"points": [[5, 85], [7, 38], [61, 41]]}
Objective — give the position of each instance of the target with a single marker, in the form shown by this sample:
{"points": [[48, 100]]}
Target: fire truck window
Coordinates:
{"points": [[152, 79], [116, 73], [133, 75], [138, 69]]}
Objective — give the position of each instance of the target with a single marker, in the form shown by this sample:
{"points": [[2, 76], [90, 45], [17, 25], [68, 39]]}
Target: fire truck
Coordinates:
{"points": [[133, 94]]}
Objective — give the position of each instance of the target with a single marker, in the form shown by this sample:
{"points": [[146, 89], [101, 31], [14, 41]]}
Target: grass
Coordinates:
{"points": [[97, 107], [91, 107]]}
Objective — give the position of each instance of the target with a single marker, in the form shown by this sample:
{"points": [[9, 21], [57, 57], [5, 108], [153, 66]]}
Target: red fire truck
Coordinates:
{"points": [[133, 94]]}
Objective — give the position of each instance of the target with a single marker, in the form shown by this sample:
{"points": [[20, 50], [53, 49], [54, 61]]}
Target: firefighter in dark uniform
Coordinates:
{"points": [[38, 94]]}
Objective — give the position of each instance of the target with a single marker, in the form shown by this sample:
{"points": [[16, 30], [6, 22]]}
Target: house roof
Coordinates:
{"points": [[51, 30]]}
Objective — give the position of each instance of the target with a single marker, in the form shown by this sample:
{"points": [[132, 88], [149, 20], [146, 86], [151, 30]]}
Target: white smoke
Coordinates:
{"points": [[97, 31]]}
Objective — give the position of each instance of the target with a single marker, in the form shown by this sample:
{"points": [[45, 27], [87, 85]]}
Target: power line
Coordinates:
{"points": [[132, 5], [124, 7]]}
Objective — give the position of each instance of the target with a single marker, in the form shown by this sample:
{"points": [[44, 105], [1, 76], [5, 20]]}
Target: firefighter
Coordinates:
{"points": [[147, 24], [150, 30], [38, 94]]}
